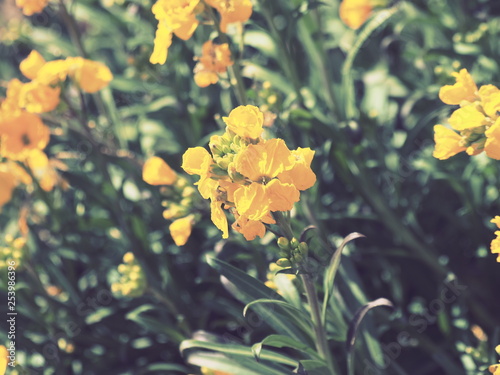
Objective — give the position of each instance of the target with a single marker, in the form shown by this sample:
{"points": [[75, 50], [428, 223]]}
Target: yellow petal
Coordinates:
{"points": [[180, 229], [463, 89], [264, 160], [157, 172], [301, 174], [250, 229], [32, 64], [187, 28], [91, 76], [245, 121], [7, 185], [354, 13], [162, 42], [196, 160], [205, 78], [39, 98], [31, 7], [281, 196], [447, 143], [219, 217], [466, 117], [252, 201], [3, 359], [492, 145]]}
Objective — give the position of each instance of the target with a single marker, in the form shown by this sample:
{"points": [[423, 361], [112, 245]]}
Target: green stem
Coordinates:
{"points": [[319, 330]]}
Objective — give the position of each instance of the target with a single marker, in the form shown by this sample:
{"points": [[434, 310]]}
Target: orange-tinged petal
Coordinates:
{"points": [[496, 221], [281, 196], [7, 185], [232, 11], [463, 89], [492, 145], [157, 172], [447, 143], [187, 28], [91, 76], [252, 201], [196, 160], [205, 78], [245, 121], [32, 64], [466, 117], [31, 7], [491, 104], [354, 13], [219, 217], [180, 229], [39, 98], [250, 229]]}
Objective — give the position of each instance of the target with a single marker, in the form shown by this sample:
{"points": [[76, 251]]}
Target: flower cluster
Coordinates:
{"points": [[495, 244], [179, 17], [23, 135], [179, 197], [247, 175], [132, 281], [15, 250], [476, 121], [214, 60], [495, 369]]}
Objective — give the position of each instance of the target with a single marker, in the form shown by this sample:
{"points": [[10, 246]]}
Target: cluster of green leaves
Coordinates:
{"points": [[365, 100]]}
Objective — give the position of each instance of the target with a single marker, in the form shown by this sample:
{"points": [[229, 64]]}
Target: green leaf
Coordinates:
{"points": [[332, 269], [280, 341]]}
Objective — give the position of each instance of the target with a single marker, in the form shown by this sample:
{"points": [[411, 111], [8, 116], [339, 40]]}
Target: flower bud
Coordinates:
{"points": [[283, 243], [284, 262]]}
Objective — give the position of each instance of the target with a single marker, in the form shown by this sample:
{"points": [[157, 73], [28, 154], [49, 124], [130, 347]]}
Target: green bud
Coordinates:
{"points": [[294, 243], [283, 243], [283, 262], [303, 248]]}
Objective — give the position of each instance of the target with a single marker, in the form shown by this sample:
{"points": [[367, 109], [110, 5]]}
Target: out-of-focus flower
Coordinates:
{"points": [[31, 7], [174, 17], [232, 11], [3, 359], [32, 64], [91, 76], [7, 184], [132, 282], [180, 229], [476, 121], [214, 60], [13, 250], [157, 172], [495, 244], [354, 13], [247, 175]]}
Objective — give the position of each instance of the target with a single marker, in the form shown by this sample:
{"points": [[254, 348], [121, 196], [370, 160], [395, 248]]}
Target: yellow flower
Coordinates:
{"points": [[32, 64], [31, 7], [218, 217], [490, 99], [3, 359], [157, 172], [91, 76], [495, 369], [463, 89], [180, 229], [354, 13], [245, 121], [174, 17], [23, 134], [492, 145], [215, 59], [466, 117], [53, 72], [447, 143], [495, 244], [43, 169], [35, 97], [7, 184], [232, 11]]}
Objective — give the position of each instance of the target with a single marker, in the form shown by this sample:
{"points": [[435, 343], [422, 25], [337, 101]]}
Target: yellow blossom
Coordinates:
{"points": [[180, 229], [53, 72], [174, 17], [492, 145], [91, 76], [31, 7], [32, 64], [495, 244], [245, 121], [354, 13], [35, 97], [301, 174], [232, 11], [447, 143], [157, 172], [43, 169], [466, 117], [463, 89], [7, 184], [23, 134], [214, 60]]}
